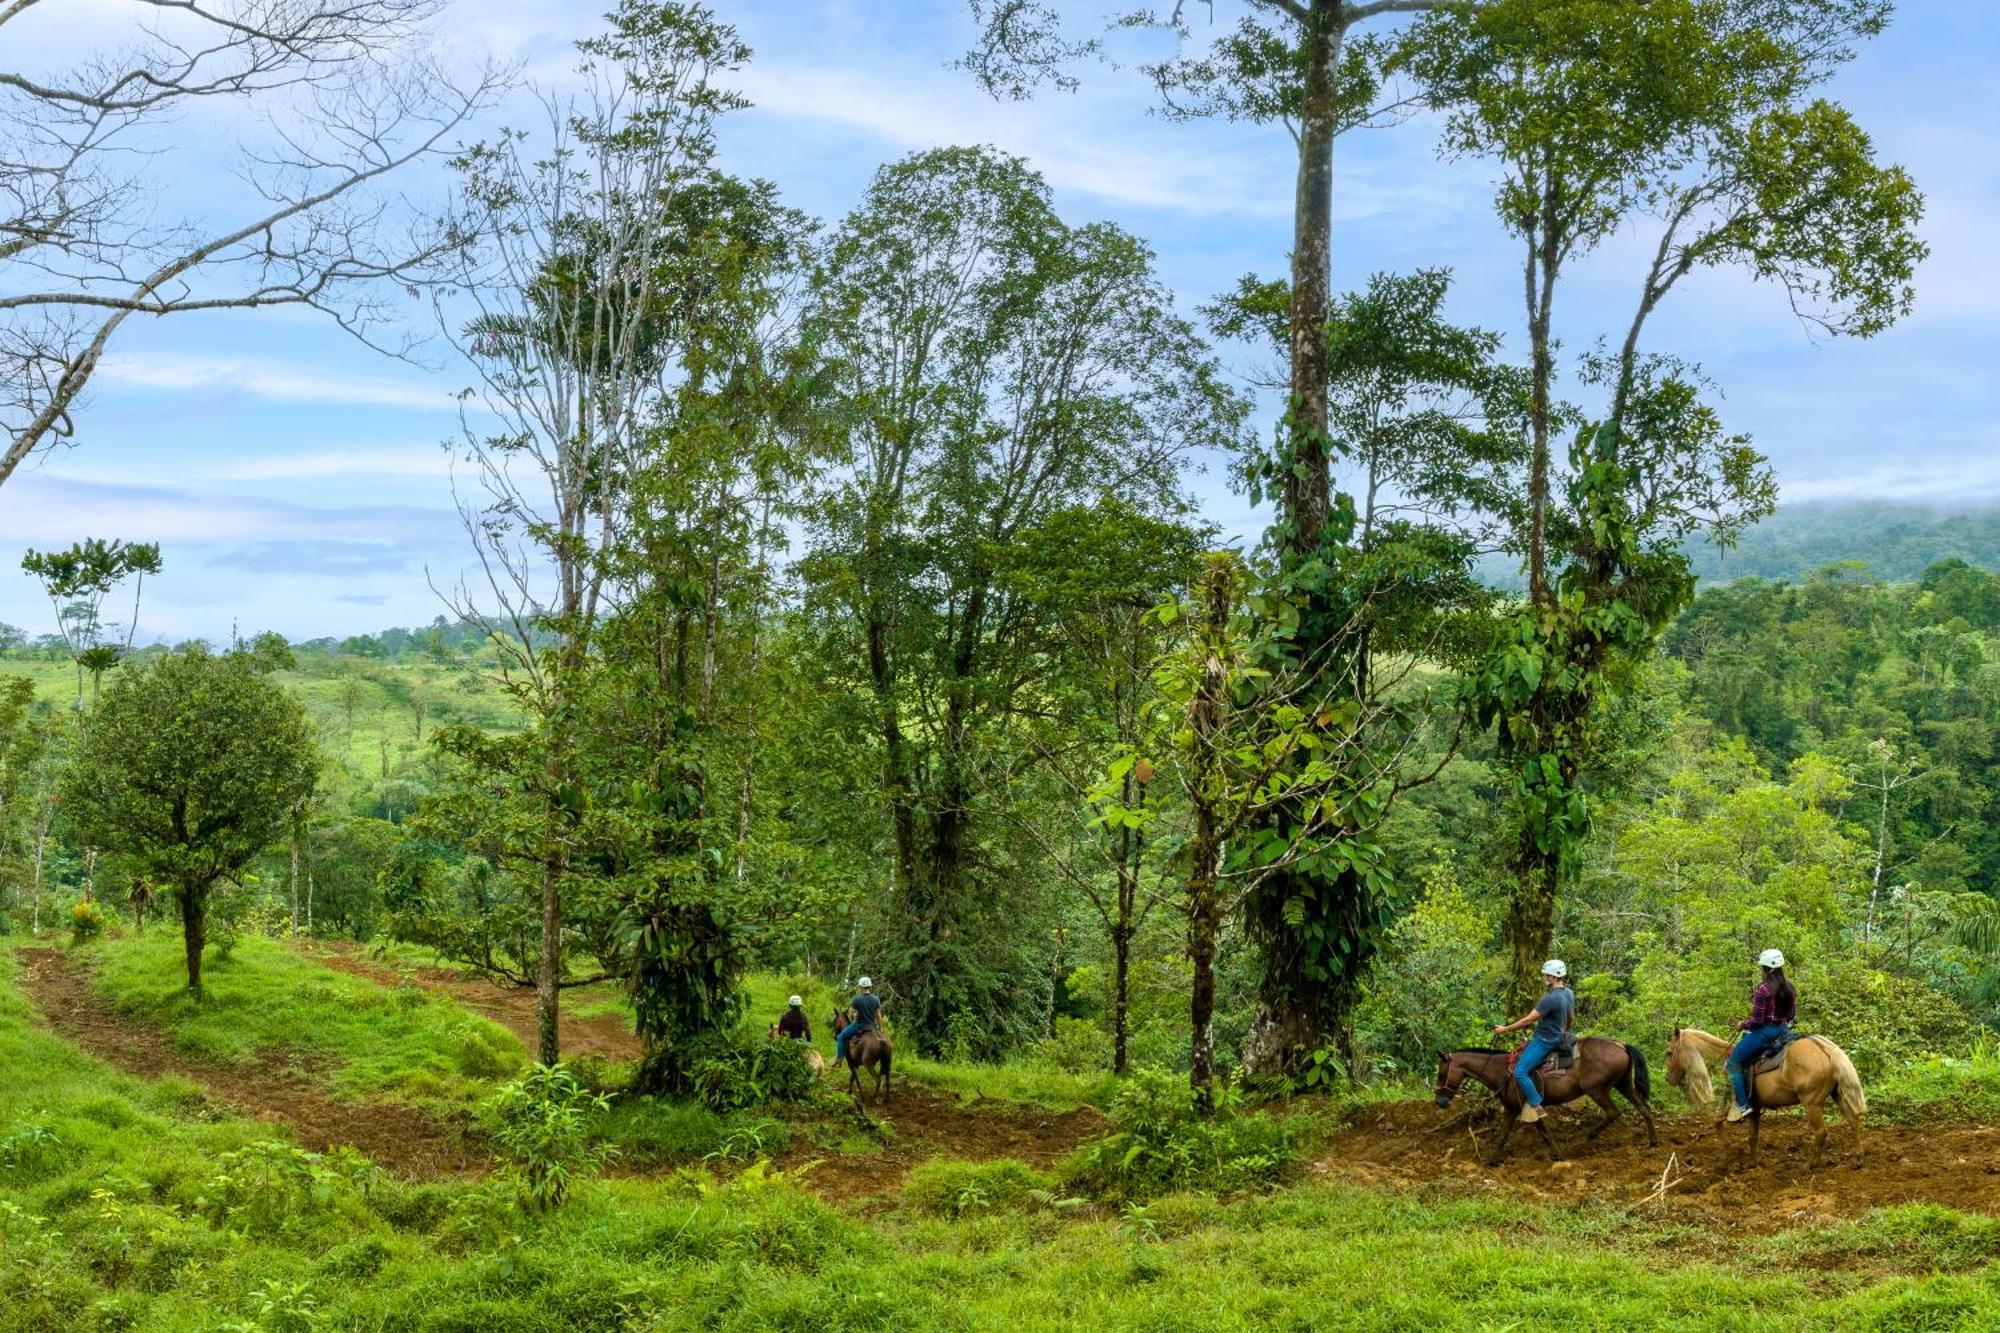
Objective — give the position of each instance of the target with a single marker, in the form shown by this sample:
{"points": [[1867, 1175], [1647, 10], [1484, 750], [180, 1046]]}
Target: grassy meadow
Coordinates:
{"points": [[135, 1204]]}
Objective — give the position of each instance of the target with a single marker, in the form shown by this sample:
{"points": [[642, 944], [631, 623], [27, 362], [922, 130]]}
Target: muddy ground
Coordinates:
{"points": [[1694, 1176]]}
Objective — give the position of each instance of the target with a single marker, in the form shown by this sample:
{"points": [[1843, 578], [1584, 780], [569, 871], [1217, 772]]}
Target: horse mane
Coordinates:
{"points": [[1477, 1050], [1700, 1088]]}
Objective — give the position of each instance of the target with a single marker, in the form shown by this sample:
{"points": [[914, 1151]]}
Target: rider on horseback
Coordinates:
{"points": [[867, 1007], [1550, 1018], [1772, 1008], [795, 1026]]}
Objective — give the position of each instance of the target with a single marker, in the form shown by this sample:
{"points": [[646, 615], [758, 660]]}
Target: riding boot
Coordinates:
{"points": [[1738, 1111], [1530, 1114]]}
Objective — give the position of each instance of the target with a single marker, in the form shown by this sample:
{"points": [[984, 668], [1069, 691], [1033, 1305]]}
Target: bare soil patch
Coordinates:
{"points": [[1415, 1146], [921, 1125], [286, 1090]]}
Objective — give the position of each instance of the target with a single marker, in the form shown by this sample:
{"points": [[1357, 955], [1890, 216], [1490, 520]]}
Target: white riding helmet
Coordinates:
{"points": [[796, 1001], [865, 983], [1556, 968], [1771, 958]]}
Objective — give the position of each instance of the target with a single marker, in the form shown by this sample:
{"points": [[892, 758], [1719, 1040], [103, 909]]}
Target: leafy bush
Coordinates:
{"points": [[960, 1189], [1078, 1046], [543, 1122], [86, 922], [1159, 1142], [271, 1187], [731, 1070], [27, 1147]]}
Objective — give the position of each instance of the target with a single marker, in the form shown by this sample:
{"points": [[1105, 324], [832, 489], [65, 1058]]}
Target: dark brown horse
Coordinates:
{"points": [[1601, 1065], [870, 1049]]}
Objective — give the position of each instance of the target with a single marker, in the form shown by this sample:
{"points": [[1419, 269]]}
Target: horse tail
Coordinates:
{"points": [[1642, 1078], [1846, 1081]]}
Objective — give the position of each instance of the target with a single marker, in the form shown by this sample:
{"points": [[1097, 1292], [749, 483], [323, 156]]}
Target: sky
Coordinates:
{"points": [[299, 482]]}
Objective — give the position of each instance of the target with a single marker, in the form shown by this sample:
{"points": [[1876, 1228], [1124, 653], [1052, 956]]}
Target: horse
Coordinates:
{"points": [[1601, 1065], [869, 1048], [1810, 1071]]}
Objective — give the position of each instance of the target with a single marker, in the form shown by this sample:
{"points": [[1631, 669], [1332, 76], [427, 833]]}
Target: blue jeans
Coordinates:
{"points": [[1748, 1047], [1533, 1054], [840, 1042]]}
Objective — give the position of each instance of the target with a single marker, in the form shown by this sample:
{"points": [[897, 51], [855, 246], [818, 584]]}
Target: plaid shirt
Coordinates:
{"points": [[1764, 1008]]}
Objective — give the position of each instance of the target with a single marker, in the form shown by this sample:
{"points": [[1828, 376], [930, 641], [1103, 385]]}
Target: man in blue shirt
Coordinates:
{"points": [[1550, 1018], [867, 1007]]}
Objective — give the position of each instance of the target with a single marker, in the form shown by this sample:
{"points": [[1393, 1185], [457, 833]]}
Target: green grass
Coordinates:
{"points": [[402, 1042], [1943, 1087], [1015, 1081], [119, 1210]]}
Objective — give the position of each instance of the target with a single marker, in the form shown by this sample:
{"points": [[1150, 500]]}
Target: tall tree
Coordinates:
{"points": [[1698, 113], [83, 151], [990, 365], [191, 767], [571, 273], [1302, 64]]}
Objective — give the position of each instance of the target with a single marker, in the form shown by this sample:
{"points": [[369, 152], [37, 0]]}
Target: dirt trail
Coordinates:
{"points": [[513, 1007], [1413, 1145], [272, 1088], [921, 1123]]}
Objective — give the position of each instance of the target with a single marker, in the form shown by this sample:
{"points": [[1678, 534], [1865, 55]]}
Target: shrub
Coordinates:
{"points": [[731, 1070], [86, 922], [1966, 1087], [1078, 1046], [960, 1189], [271, 1186], [1159, 1142], [542, 1122]]}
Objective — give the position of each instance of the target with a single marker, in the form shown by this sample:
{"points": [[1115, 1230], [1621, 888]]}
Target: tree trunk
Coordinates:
{"points": [[1530, 927], [295, 880], [1204, 908], [1121, 991], [1307, 489], [194, 933], [41, 842], [548, 967]]}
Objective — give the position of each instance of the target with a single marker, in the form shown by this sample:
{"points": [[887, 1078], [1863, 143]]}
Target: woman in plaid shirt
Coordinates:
{"points": [[1772, 1009]]}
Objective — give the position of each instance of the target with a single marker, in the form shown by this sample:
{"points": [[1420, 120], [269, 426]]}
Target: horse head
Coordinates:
{"points": [[1450, 1074], [1676, 1060]]}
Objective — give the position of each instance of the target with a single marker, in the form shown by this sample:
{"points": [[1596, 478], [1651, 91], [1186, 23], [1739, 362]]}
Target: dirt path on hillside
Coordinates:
{"points": [[1415, 1146], [919, 1123], [272, 1088], [513, 1007]]}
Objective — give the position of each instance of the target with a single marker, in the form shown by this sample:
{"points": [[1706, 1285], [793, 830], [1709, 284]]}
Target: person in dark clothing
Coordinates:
{"points": [[1773, 1006], [795, 1025], [1550, 1019], [867, 1007]]}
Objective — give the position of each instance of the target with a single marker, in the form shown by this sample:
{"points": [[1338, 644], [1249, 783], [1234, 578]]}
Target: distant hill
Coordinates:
{"points": [[1896, 541]]}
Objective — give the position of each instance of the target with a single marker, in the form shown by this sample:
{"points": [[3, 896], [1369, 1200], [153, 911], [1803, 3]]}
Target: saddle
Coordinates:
{"points": [[1767, 1062], [1555, 1062]]}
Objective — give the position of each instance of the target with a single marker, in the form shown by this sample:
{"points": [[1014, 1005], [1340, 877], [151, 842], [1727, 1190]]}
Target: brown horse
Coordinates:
{"points": [[1811, 1071], [1601, 1065], [871, 1049]]}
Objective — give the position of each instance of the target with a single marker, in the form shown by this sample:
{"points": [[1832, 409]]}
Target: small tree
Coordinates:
{"points": [[77, 582], [192, 767]]}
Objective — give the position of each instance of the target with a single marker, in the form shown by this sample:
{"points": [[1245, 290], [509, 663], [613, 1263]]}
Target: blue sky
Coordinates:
{"points": [[297, 481]]}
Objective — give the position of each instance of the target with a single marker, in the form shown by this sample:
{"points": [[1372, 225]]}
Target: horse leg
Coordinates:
{"points": [[1603, 1098], [1548, 1139], [1646, 1114], [1756, 1124], [1818, 1123], [1508, 1115]]}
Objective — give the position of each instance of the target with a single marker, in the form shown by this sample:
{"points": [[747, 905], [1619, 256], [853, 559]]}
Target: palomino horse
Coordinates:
{"points": [[869, 1048], [1813, 1069], [1601, 1065]]}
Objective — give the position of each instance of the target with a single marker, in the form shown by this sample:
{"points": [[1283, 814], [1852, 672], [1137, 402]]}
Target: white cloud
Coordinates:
{"points": [[275, 380], [414, 462]]}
